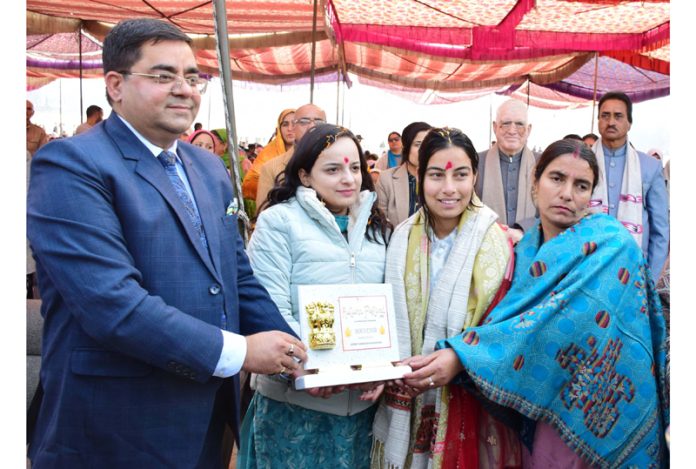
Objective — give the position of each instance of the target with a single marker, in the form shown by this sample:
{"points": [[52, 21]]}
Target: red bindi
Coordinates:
{"points": [[346, 160], [448, 165]]}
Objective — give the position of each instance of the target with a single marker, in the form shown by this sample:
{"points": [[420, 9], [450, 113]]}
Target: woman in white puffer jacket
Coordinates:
{"points": [[322, 226]]}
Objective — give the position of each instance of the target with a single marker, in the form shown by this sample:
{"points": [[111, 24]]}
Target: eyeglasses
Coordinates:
{"points": [[394, 139], [196, 82], [519, 126], [308, 120]]}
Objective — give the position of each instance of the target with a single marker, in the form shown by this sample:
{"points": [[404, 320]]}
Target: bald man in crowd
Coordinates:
{"points": [[95, 115], [504, 179], [36, 136], [306, 117]]}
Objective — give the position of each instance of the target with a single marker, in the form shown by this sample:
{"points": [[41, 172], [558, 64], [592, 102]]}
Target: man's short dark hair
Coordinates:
{"points": [[590, 135], [93, 109], [621, 97], [123, 44], [197, 126]]}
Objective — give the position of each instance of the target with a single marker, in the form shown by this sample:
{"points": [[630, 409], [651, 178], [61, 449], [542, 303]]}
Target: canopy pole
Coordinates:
{"points": [[223, 53], [314, 53], [343, 104], [338, 88], [210, 105], [490, 117], [529, 85], [79, 42], [60, 107], [594, 92]]}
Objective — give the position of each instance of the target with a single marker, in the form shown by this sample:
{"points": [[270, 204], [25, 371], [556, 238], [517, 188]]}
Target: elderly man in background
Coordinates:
{"points": [[306, 117], [36, 136], [505, 170], [631, 187]]}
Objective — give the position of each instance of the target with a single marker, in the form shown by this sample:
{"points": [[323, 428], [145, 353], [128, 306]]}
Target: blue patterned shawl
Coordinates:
{"points": [[579, 342]]}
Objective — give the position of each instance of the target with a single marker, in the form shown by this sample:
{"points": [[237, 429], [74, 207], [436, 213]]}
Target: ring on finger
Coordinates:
{"points": [[430, 381], [282, 369], [291, 350]]}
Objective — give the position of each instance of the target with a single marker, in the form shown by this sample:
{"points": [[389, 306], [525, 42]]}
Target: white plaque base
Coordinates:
{"points": [[340, 375]]}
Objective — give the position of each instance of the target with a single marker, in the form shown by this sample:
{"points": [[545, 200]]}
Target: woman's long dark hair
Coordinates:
{"points": [[310, 146], [438, 139], [409, 135]]}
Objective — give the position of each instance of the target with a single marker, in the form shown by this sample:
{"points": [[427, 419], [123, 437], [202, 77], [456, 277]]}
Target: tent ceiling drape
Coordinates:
{"points": [[445, 50]]}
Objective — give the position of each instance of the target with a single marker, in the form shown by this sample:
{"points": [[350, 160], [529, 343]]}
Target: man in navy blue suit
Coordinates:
{"points": [[150, 306]]}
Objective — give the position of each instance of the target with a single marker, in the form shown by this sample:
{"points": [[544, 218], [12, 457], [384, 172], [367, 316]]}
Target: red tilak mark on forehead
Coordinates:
{"points": [[448, 165], [346, 159]]}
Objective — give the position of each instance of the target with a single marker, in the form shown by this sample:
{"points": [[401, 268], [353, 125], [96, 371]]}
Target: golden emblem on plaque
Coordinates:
{"points": [[320, 317]]}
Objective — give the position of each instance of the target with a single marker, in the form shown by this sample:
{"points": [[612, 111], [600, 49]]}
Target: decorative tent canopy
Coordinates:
{"points": [[428, 50], [51, 56], [637, 83]]}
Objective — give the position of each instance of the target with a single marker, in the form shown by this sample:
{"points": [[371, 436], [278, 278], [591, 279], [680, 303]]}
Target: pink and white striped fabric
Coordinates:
{"points": [[440, 45]]}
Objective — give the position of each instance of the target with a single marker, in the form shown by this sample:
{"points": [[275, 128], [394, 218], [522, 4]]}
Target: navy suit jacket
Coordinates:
{"points": [[133, 304]]}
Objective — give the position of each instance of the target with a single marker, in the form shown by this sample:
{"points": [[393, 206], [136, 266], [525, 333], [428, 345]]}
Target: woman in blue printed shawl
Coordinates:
{"points": [[577, 347]]}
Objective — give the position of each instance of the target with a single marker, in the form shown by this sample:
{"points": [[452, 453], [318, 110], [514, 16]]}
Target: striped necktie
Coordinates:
{"points": [[168, 160]]}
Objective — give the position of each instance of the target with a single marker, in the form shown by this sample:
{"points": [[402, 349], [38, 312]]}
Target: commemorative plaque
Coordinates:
{"points": [[350, 334]]}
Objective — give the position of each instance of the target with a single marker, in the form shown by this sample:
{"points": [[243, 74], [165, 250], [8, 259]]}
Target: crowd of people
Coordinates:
{"points": [[523, 283]]}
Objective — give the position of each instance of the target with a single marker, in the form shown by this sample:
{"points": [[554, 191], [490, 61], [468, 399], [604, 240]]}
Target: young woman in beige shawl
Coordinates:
{"points": [[448, 264]]}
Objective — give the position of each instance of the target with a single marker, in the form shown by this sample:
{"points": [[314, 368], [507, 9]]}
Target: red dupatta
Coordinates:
{"points": [[470, 429]]}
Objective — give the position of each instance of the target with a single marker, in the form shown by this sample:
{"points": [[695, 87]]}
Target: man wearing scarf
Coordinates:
{"points": [[631, 186], [505, 169]]}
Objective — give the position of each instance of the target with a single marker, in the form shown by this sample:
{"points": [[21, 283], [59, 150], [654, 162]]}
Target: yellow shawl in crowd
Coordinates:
{"points": [[275, 147]]}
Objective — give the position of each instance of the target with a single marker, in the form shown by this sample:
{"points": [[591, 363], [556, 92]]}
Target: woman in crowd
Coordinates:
{"points": [[282, 140], [204, 139], [221, 149], [577, 346], [448, 263], [322, 226], [396, 188], [392, 157]]}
